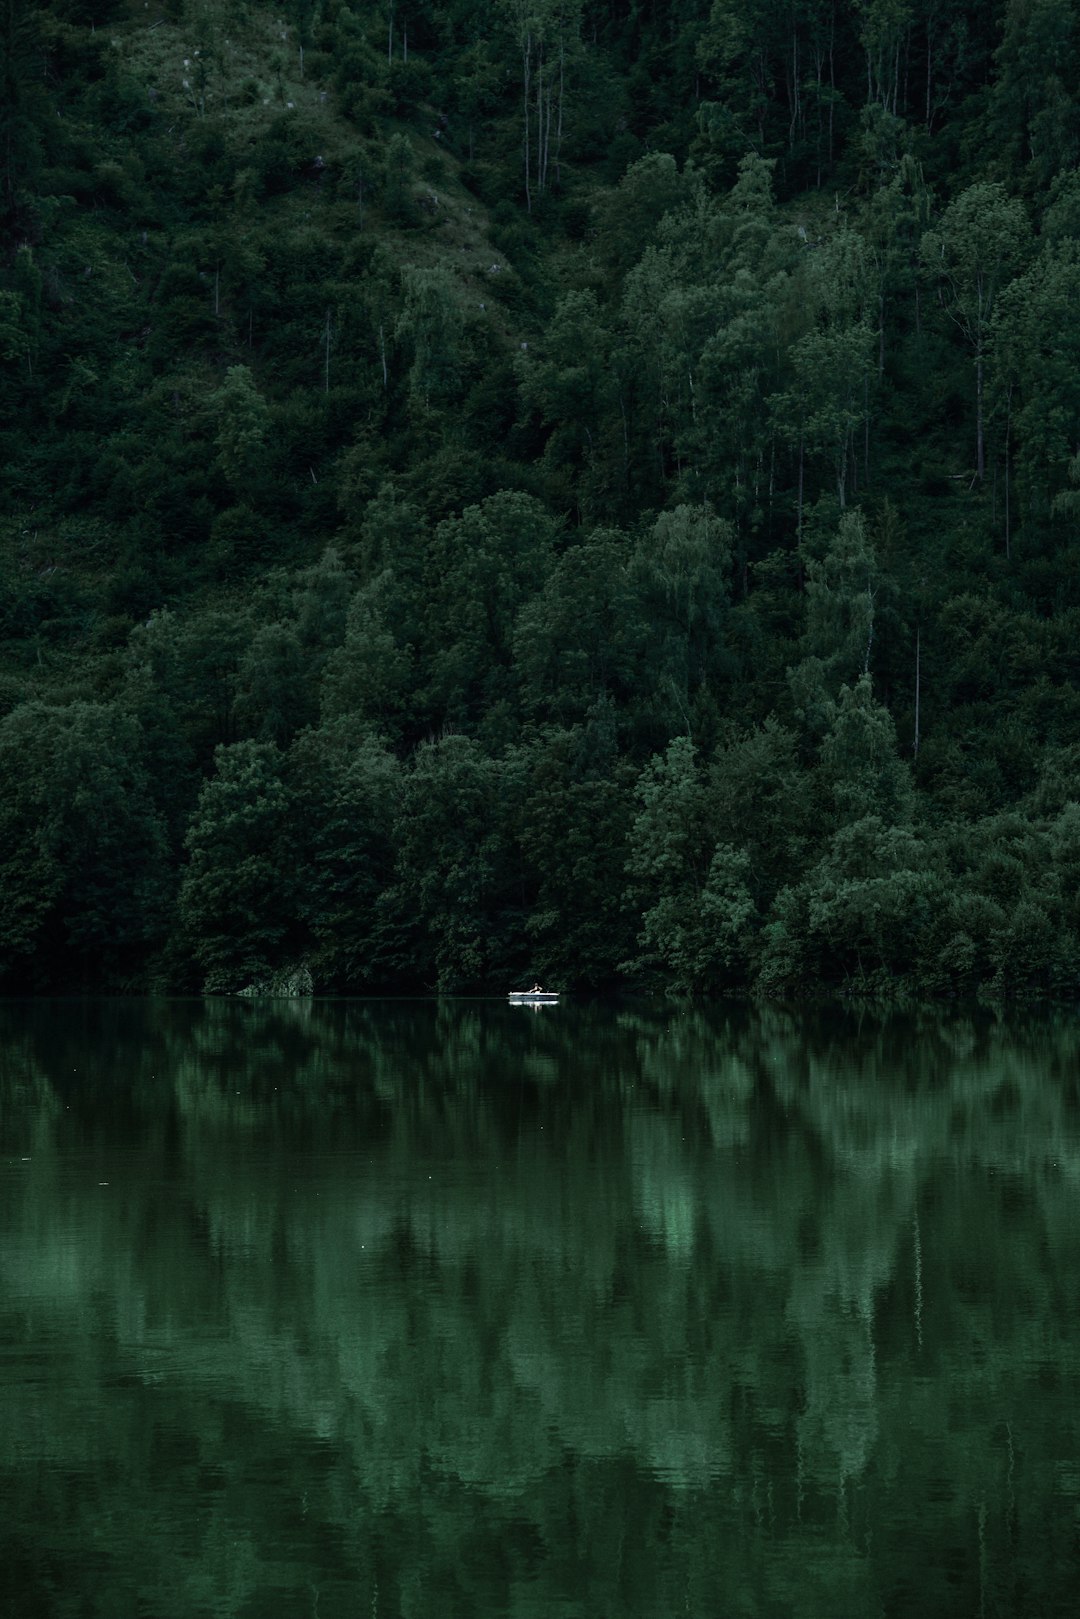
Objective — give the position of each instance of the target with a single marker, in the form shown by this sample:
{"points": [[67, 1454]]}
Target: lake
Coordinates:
{"points": [[452, 1308]]}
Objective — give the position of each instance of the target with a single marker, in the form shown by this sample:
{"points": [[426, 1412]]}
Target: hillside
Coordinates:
{"points": [[577, 490]]}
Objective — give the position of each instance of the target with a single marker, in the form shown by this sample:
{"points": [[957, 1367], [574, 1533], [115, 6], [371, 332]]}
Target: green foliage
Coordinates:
{"points": [[554, 485], [694, 895], [237, 901], [455, 874], [83, 870], [242, 422]]}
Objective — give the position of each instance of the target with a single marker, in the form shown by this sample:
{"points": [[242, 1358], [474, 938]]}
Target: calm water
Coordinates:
{"points": [[379, 1310]]}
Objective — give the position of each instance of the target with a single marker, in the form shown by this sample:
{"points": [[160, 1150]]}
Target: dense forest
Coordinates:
{"points": [[577, 488]]}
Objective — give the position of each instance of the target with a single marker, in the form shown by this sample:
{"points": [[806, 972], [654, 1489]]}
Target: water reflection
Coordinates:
{"points": [[438, 1308]]}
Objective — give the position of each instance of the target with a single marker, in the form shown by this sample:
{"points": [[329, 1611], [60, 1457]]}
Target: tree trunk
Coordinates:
{"points": [[980, 446], [831, 76], [558, 120], [802, 468], [1008, 429], [794, 123], [540, 122], [526, 67], [918, 686]]}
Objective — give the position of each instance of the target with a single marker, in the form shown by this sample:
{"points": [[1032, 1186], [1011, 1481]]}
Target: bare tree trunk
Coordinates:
{"points": [[1008, 428], [772, 475], [831, 78], [558, 122], [547, 134], [917, 1244], [818, 61], [541, 172], [918, 685], [526, 64], [802, 468], [793, 125], [390, 35], [980, 446]]}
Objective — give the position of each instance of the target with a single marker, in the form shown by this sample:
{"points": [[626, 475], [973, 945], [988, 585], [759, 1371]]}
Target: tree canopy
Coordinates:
{"points": [[567, 488]]}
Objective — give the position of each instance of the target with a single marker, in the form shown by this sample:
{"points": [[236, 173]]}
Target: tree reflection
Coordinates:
{"points": [[638, 1311]]}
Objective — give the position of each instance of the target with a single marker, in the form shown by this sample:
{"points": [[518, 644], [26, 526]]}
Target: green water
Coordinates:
{"points": [[360, 1309]]}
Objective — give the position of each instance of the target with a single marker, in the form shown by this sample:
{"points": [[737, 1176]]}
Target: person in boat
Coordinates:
{"points": [[536, 990]]}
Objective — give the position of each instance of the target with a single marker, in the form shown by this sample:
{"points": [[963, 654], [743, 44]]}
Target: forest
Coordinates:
{"points": [[577, 489]]}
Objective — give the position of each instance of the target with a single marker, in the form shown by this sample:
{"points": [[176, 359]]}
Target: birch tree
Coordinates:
{"points": [[546, 31]]}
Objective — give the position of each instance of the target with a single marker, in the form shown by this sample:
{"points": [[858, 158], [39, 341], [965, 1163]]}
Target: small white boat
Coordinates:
{"points": [[533, 997]]}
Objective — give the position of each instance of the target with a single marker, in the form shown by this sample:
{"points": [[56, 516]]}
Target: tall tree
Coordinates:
{"points": [[546, 32], [979, 244]]}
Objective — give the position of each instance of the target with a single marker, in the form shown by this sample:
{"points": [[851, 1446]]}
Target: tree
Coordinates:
{"points": [[546, 31], [761, 800], [680, 572], [629, 216], [1034, 115], [575, 640], [274, 697], [368, 678], [83, 873], [454, 873], [573, 810], [1037, 352], [347, 789], [979, 244], [570, 381], [433, 326], [692, 893], [841, 596], [243, 419], [23, 106], [860, 770], [238, 900], [485, 566]]}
